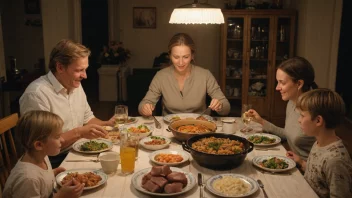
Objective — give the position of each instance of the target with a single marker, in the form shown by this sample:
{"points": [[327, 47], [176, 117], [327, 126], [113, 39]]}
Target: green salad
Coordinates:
{"points": [[260, 139], [274, 163], [93, 146]]}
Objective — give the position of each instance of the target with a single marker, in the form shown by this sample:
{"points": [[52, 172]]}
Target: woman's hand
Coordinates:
{"points": [[58, 170], [256, 117], [215, 105], [147, 109], [71, 189]]}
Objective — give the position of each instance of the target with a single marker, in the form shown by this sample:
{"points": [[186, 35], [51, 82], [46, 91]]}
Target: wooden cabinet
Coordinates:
{"points": [[253, 44]]}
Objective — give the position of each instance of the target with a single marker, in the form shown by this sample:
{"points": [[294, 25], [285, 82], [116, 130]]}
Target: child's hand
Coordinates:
{"points": [[58, 170], [71, 189], [294, 157]]}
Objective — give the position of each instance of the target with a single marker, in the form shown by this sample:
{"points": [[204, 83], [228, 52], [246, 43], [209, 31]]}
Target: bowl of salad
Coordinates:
{"points": [[140, 130]]}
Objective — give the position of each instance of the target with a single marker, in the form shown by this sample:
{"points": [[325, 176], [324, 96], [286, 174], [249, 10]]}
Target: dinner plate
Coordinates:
{"points": [[154, 147], [169, 117], [253, 184], [258, 159], [183, 154], [277, 139], [77, 146], [131, 120], [140, 135], [137, 181], [103, 176]]}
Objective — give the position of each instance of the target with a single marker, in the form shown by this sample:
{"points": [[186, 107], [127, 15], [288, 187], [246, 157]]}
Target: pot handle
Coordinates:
{"points": [[251, 146], [168, 130], [186, 147]]}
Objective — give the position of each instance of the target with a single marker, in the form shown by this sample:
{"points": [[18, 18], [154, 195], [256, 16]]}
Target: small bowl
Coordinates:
{"points": [[140, 135], [154, 147], [109, 161], [182, 153]]}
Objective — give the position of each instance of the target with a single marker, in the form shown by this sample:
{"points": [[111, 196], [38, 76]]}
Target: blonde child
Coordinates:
{"points": [[328, 169], [40, 135]]}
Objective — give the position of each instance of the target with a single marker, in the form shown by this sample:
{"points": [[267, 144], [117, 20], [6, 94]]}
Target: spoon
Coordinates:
{"points": [[157, 123], [203, 112]]}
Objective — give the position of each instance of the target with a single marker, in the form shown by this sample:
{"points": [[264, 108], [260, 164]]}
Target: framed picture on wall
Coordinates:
{"points": [[144, 17]]}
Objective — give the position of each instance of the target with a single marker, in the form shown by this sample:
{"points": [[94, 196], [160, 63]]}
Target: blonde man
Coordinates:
{"points": [[60, 92], [328, 169]]}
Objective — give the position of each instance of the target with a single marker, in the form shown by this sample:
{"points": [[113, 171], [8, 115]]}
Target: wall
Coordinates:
{"points": [[2, 55], [21, 41], [145, 44], [318, 37]]}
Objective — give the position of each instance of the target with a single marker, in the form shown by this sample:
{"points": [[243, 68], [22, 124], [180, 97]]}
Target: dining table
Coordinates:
{"points": [[289, 184]]}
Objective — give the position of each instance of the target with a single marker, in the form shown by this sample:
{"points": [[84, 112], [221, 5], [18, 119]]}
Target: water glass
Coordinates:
{"points": [[246, 119], [121, 114]]}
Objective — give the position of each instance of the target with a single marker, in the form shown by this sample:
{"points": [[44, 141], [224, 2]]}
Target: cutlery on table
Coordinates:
{"points": [[86, 160], [261, 185], [203, 112], [157, 123], [200, 184], [267, 149]]}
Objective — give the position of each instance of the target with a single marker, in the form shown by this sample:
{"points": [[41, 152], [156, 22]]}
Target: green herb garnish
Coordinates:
{"points": [[215, 145]]}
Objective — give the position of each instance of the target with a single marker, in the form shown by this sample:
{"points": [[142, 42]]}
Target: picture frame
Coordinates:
{"points": [[144, 17]]}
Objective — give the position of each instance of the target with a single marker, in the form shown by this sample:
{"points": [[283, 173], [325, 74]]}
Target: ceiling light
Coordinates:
{"points": [[197, 13]]}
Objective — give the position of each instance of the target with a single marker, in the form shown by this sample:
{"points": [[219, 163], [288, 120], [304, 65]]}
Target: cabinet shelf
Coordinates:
{"points": [[259, 40], [236, 59], [259, 59], [234, 97], [233, 39], [234, 78]]}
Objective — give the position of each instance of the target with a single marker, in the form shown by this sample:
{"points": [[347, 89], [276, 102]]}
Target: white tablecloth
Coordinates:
{"points": [[284, 185]]}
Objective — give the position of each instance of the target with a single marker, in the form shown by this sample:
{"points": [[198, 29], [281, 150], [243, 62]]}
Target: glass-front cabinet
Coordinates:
{"points": [[254, 43]]}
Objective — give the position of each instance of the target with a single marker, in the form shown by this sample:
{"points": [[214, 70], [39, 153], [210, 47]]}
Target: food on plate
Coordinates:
{"points": [[219, 146], [191, 128], [175, 118], [129, 120], [274, 163], [89, 178], [93, 146], [113, 136], [162, 180], [156, 141], [139, 129], [260, 139], [168, 158], [231, 186]]}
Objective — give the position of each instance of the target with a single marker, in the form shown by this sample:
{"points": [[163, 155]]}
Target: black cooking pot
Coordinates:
{"points": [[214, 161]]}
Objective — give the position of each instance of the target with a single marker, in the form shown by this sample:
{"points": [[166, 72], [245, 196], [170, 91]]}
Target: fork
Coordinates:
{"points": [[261, 185], [203, 112], [157, 123]]}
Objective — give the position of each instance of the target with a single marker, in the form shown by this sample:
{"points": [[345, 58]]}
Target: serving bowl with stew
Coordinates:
{"points": [[212, 150], [187, 128]]}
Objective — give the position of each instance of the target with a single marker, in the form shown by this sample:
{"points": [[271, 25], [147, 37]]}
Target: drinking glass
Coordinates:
{"points": [[128, 152], [121, 114], [246, 119]]}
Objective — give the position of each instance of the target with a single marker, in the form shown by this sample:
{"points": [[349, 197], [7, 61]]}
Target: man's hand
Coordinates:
{"points": [[91, 131]]}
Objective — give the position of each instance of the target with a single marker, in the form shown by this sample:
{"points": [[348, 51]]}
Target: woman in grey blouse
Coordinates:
{"points": [[183, 85], [294, 76]]}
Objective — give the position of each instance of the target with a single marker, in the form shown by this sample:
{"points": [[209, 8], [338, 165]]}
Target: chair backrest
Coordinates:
{"points": [[344, 132], [8, 154]]}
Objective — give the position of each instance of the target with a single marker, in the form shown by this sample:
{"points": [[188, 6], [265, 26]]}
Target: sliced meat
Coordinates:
{"points": [[151, 187], [177, 177], [146, 177], [156, 171], [165, 170], [173, 187], [160, 181]]}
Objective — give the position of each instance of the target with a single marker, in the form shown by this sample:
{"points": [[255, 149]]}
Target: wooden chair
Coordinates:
{"points": [[8, 154], [345, 133]]}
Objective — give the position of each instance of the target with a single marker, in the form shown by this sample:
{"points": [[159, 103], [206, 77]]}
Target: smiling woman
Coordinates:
{"points": [[183, 85]]}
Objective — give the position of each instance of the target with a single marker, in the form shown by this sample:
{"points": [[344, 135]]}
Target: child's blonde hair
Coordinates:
{"points": [[324, 102], [37, 126]]}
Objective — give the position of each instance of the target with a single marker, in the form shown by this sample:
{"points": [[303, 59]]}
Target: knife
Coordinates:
{"points": [[200, 184]]}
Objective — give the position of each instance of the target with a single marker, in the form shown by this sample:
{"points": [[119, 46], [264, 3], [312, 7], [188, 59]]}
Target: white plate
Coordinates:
{"points": [[253, 184], [258, 159], [103, 176], [140, 135], [184, 155], [77, 146], [131, 120], [137, 182], [169, 117], [154, 147], [277, 139]]}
